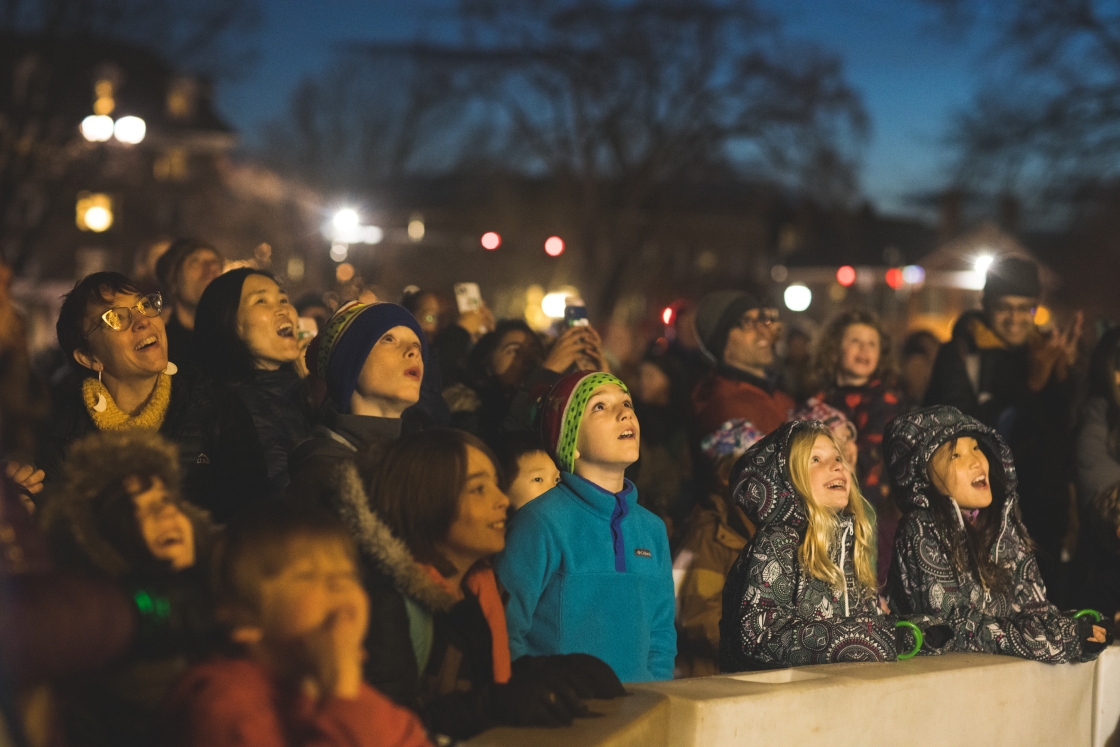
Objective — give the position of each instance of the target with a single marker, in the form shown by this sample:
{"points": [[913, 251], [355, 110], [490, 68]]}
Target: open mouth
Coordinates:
{"points": [[980, 483], [412, 373], [838, 484], [286, 330], [626, 434], [146, 343], [498, 526], [169, 540]]}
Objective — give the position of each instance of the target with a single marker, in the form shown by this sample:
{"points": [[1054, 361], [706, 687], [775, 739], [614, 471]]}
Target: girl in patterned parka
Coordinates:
{"points": [[804, 590], [962, 552]]}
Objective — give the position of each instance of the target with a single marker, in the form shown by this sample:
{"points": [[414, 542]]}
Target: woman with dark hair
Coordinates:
{"points": [[432, 519], [962, 552], [246, 329], [116, 341], [855, 369]]}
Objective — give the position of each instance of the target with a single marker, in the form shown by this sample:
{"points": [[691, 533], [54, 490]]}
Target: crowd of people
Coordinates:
{"points": [[219, 528]]}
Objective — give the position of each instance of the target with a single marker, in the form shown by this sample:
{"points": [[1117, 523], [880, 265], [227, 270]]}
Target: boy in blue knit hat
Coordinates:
{"points": [[371, 358], [588, 569]]}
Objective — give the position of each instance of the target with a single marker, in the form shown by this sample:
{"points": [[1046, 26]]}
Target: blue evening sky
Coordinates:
{"points": [[910, 73]]}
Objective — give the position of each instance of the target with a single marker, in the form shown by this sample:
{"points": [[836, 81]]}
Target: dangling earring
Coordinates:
{"points": [[102, 404], [171, 369]]}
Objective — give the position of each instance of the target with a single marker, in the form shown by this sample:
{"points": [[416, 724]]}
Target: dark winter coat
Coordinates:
{"points": [[1036, 424], [117, 706], [222, 464], [1020, 622], [774, 613], [281, 412], [425, 649], [337, 439], [1098, 468]]}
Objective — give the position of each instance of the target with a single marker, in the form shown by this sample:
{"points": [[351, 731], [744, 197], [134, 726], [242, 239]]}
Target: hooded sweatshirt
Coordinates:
{"points": [[589, 572], [774, 613], [1020, 622]]}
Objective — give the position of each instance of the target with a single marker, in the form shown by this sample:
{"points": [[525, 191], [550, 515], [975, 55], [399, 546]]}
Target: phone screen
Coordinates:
{"points": [[468, 297], [575, 315]]}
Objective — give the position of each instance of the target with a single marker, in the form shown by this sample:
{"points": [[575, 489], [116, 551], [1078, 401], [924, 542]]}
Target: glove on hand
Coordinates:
{"points": [[536, 701], [1085, 632], [586, 675], [937, 637]]}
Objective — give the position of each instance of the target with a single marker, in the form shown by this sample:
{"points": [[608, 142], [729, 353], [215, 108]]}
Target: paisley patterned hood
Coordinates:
{"points": [[910, 441], [762, 483]]}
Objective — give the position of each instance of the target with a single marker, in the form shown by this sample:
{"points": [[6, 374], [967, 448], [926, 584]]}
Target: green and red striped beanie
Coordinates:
{"points": [[562, 411]]}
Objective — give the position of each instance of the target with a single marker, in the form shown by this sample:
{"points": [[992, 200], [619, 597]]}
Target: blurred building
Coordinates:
{"points": [[108, 152]]}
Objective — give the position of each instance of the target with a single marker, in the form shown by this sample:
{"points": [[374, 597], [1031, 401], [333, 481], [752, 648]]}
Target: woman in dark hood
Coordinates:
{"points": [[246, 337], [119, 515], [804, 590], [962, 552]]}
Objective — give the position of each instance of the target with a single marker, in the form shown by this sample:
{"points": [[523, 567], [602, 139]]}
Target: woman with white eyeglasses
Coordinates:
{"points": [[116, 340]]}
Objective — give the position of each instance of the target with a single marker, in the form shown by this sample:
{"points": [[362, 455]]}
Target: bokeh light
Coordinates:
{"points": [[97, 128], [798, 297], [914, 274], [344, 272], [846, 275], [130, 130], [894, 278], [553, 304], [554, 247], [491, 241]]}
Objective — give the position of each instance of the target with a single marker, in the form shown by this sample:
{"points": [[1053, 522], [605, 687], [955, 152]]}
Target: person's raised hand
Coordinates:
{"points": [[567, 349], [26, 476], [334, 650], [477, 322]]}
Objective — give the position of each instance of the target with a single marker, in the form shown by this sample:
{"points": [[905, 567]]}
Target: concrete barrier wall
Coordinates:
{"points": [[957, 699]]}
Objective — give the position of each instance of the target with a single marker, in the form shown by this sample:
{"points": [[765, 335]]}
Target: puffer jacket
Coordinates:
{"points": [[774, 613], [1021, 622]]}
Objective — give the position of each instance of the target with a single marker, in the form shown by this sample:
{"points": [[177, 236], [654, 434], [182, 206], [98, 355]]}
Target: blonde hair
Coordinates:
{"points": [[823, 525]]}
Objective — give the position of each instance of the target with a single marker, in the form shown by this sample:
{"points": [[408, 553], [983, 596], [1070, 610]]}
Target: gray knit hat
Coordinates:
{"points": [[716, 314]]}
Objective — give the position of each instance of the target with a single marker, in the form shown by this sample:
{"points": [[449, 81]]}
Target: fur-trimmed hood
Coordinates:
{"points": [[97, 465], [377, 542]]}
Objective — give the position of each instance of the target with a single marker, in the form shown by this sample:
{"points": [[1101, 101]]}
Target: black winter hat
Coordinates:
{"points": [[1012, 276], [716, 314]]}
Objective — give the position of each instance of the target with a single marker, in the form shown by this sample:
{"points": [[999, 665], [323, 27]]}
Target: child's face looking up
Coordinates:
{"points": [[479, 529], [608, 433], [960, 470], [167, 533], [317, 596], [828, 475], [536, 474]]}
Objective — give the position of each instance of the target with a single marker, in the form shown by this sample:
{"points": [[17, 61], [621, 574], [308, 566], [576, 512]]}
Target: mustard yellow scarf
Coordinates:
{"points": [[116, 419]]}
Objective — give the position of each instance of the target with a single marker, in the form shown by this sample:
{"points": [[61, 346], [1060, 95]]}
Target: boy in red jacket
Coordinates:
{"points": [[288, 589]]}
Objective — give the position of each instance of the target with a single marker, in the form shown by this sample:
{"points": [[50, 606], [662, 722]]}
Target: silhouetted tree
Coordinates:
{"points": [[618, 104]]}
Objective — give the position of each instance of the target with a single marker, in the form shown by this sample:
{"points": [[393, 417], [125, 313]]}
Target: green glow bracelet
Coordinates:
{"points": [[917, 637]]}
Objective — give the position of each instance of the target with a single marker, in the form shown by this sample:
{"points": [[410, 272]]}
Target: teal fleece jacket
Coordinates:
{"points": [[589, 572]]}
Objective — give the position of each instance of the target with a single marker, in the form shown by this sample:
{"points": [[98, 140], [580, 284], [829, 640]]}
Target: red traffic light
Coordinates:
{"points": [[554, 246], [894, 278], [491, 241], [846, 276]]}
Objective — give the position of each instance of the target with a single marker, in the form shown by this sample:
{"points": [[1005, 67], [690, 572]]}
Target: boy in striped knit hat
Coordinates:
{"points": [[588, 569]]}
